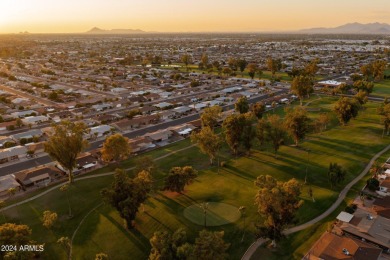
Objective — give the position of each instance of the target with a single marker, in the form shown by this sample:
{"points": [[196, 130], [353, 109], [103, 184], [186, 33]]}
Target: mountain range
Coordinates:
{"points": [[96, 30], [352, 28]]}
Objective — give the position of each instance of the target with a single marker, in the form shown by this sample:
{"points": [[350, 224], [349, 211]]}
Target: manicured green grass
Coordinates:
{"points": [[217, 214], [351, 146], [382, 89]]}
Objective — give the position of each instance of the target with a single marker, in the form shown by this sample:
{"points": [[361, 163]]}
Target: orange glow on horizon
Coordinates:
{"points": [[48, 16]]}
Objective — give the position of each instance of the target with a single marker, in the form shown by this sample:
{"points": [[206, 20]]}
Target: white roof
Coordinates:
{"points": [[387, 171], [345, 216], [330, 82], [100, 129], [89, 165], [185, 131]]}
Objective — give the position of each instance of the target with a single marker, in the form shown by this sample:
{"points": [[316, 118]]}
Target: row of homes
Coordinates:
{"points": [[364, 231]]}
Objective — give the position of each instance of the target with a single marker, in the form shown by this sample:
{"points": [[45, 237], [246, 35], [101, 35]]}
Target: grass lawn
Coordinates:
{"points": [[382, 89], [351, 146]]}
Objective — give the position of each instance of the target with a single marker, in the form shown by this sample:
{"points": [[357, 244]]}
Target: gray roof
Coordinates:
{"points": [[13, 151], [34, 132]]}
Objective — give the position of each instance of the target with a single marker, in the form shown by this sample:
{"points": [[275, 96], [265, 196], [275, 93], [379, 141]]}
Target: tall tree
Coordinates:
{"points": [[186, 59], [297, 123], [116, 147], [144, 163], [205, 60], [367, 70], [242, 105], [248, 131], [336, 174], [232, 63], [15, 235], [252, 69], [101, 256], [179, 177], [274, 65], [127, 194], [49, 219], [272, 130], [258, 109], [211, 116], [384, 111], [66, 143], [241, 64], [361, 97], [346, 109], [311, 69], [302, 86], [277, 203], [322, 122], [378, 69], [169, 246], [362, 85], [209, 142], [210, 246], [232, 126]]}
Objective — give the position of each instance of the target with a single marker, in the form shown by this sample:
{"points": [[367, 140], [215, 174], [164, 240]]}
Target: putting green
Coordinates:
{"points": [[218, 214]]}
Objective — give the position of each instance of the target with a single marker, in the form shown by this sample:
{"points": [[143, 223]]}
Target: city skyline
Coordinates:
{"points": [[44, 16]]}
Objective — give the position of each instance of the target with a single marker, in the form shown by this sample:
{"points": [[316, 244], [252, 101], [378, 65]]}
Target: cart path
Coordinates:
{"points": [[252, 249]]}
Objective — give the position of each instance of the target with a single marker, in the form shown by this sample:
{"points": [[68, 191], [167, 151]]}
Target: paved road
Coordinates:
{"points": [[46, 159], [252, 249]]}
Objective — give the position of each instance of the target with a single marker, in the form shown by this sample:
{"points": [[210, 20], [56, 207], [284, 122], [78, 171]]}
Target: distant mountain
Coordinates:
{"points": [[352, 28], [96, 30]]}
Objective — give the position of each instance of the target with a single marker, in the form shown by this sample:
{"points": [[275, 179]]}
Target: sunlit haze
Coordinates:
{"points": [[60, 16]]}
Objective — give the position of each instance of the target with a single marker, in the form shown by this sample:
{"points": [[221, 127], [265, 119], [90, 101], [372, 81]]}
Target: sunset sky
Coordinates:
{"points": [[67, 16]]}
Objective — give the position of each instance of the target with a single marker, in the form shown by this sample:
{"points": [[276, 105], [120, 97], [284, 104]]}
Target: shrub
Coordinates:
{"points": [[373, 184]]}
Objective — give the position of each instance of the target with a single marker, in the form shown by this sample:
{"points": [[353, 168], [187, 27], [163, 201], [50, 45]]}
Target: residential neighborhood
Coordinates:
{"points": [[132, 144]]}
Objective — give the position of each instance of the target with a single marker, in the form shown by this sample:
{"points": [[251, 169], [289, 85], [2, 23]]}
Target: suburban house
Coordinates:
{"points": [[382, 206], [163, 105], [366, 225], [27, 135], [102, 107], [331, 246], [8, 182], [5, 139], [182, 130], [136, 122], [84, 162], [40, 176], [99, 131], [11, 154], [4, 125], [159, 136], [140, 144], [34, 120], [21, 114], [231, 90], [329, 83], [57, 116], [182, 110], [147, 109], [105, 118], [167, 114]]}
